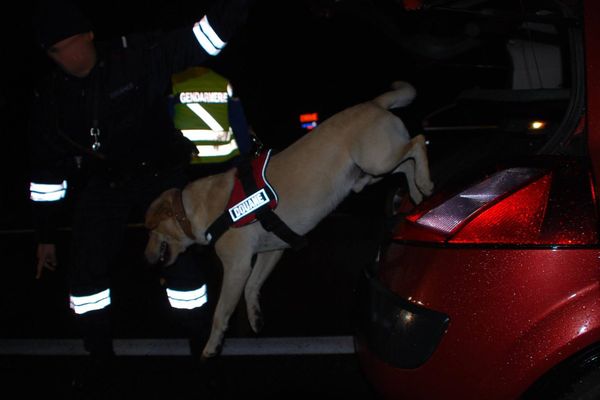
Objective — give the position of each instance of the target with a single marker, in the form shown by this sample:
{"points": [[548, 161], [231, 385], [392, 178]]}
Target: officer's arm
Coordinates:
{"points": [[47, 188], [195, 44]]}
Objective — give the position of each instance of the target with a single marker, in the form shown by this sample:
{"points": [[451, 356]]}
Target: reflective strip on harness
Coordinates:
{"points": [[47, 192], [187, 299], [97, 301]]}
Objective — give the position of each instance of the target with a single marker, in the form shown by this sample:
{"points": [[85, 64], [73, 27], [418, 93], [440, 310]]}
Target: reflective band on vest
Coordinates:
{"points": [[202, 100], [47, 192], [189, 299], [205, 116], [201, 113], [207, 135], [217, 150], [97, 301], [207, 37]]}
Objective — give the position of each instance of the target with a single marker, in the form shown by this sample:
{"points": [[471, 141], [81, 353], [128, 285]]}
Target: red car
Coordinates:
{"points": [[490, 289]]}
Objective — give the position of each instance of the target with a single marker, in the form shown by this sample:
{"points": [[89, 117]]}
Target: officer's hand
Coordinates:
{"points": [[46, 258]]}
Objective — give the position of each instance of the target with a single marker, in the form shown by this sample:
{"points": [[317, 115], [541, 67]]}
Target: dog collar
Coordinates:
{"points": [[180, 215]]}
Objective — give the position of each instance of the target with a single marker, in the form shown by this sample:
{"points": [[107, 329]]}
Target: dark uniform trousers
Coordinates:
{"points": [[101, 213]]}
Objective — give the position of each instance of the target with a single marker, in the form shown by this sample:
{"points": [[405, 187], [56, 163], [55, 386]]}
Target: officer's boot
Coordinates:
{"points": [[196, 324], [95, 378]]}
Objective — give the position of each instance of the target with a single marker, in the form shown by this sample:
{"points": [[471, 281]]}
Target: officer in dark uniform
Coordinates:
{"points": [[100, 118]]}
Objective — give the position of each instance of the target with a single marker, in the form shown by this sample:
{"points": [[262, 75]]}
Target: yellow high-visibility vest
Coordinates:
{"points": [[201, 113]]}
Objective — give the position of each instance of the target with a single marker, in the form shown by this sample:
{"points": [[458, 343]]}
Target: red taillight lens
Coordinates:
{"points": [[451, 214], [517, 218], [515, 206]]}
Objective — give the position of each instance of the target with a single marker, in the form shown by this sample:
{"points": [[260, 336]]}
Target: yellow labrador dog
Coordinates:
{"points": [[348, 151]]}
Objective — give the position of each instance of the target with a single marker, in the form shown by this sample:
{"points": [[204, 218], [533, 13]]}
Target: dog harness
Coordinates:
{"points": [[252, 199]]}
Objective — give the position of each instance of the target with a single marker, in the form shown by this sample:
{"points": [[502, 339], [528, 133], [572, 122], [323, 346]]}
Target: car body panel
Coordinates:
{"points": [[515, 312], [483, 292]]}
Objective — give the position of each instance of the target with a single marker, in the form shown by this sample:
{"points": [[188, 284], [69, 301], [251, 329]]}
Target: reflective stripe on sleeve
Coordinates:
{"points": [[47, 192], [189, 299], [97, 301], [207, 37]]}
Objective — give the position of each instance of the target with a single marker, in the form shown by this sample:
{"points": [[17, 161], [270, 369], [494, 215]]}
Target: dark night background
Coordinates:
{"points": [[292, 57]]}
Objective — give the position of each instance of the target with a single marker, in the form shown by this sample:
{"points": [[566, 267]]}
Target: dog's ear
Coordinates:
{"points": [[160, 209]]}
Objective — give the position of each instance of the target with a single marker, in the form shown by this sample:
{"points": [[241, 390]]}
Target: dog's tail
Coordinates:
{"points": [[402, 95]]}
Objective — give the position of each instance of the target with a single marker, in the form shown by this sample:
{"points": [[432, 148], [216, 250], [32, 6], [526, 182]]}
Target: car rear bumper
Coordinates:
{"points": [[399, 332]]}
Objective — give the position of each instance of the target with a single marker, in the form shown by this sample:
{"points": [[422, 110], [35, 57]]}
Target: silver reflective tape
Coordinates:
{"points": [[187, 299], [205, 116], [207, 135], [47, 192], [207, 37], [217, 150], [211, 34], [96, 301]]}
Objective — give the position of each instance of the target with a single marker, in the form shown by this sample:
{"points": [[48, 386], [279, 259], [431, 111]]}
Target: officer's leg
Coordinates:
{"points": [[189, 292], [187, 286], [99, 218], [190, 284]]}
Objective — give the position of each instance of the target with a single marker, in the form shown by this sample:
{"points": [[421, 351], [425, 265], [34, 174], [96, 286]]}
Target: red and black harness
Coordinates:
{"points": [[252, 199]]}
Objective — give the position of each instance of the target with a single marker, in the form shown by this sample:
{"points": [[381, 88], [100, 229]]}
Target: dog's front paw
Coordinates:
{"points": [[210, 352], [416, 196], [257, 321], [426, 188]]}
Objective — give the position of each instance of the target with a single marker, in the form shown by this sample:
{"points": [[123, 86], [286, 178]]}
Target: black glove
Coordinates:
{"points": [[227, 16]]}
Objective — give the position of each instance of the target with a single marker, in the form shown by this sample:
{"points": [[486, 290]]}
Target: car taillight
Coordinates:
{"points": [[515, 206], [515, 219]]}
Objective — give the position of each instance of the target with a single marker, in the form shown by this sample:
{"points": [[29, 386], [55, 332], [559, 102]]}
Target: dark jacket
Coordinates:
{"points": [[124, 98]]}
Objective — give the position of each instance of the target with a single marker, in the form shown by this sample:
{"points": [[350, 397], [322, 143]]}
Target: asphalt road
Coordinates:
{"points": [[264, 377]]}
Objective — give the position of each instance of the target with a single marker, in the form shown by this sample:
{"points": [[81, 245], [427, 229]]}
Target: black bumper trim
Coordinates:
{"points": [[401, 333]]}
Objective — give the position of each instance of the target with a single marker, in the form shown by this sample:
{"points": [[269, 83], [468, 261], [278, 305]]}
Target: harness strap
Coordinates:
{"points": [[267, 218], [218, 227]]}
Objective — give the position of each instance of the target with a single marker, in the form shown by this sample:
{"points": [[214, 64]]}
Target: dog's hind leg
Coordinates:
{"points": [[422, 178], [265, 262], [416, 169], [408, 169], [236, 259]]}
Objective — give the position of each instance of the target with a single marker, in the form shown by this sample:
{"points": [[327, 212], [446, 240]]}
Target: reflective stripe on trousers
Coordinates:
{"points": [[187, 299], [92, 302]]}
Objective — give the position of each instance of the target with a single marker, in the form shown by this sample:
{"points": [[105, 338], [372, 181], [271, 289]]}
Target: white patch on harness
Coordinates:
{"points": [[249, 205]]}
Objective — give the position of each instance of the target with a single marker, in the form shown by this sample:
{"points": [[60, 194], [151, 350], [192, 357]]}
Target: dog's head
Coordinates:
{"points": [[167, 239]]}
